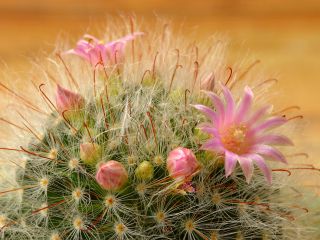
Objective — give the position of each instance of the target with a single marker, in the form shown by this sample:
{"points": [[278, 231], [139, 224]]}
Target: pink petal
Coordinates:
{"points": [[247, 167], [208, 128], [218, 104], [275, 139], [79, 52], [129, 37], [229, 103], [258, 115], [212, 145], [208, 112], [269, 151], [230, 162], [119, 44], [269, 124], [68, 100], [245, 104], [262, 166]]}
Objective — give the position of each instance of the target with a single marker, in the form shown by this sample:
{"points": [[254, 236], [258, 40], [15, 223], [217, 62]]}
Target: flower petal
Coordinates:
{"points": [[129, 37], [208, 128], [269, 124], [247, 167], [208, 112], [230, 162], [119, 44], [212, 145], [218, 104], [258, 115], [262, 166], [230, 105], [275, 139], [245, 104], [269, 151]]}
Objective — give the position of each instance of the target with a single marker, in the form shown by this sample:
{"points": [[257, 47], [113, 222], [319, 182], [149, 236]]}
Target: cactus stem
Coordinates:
{"points": [[249, 68], [267, 206], [261, 84], [229, 69], [195, 74], [35, 154], [87, 129], [32, 131], [47, 207], [282, 170], [24, 101], [47, 99], [94, 77], [175, 69], [144, 75], [68, 71], [185, 97], [18, 189], [104, 113], [13, 124], [154, 65], [153, 127], [74, 130], [306, 155], [295, 117], [144, 130], [287, 109]]}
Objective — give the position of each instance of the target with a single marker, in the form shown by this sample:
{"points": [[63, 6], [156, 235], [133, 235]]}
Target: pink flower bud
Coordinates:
{"points": [[111, 175], [67, 100], [90, 153], [182, 163]]}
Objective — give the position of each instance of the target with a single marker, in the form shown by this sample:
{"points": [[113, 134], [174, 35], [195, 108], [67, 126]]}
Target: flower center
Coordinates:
{"points": [[235, 139]]}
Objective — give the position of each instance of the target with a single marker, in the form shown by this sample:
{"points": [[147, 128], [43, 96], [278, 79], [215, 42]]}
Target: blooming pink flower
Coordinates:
{"points": [[67, 100], [242, 136], [94, 51], [182, 163], [112, 175]]}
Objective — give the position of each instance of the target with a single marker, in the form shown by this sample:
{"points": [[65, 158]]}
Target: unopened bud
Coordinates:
{"points": [[144, 171], [90, 153], [112, 175], [67, 100]]}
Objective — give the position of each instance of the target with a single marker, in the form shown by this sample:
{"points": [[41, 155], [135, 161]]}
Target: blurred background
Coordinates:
{"points": [[284, 35]]}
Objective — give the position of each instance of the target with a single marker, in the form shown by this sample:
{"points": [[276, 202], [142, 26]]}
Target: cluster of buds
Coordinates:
{"points": [[182, 164]]}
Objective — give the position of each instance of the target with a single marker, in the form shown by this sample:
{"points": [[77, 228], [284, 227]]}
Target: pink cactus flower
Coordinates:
{"points": [[67, 100], [94, 51], [241, 135], [182, 164], [111, 175]]}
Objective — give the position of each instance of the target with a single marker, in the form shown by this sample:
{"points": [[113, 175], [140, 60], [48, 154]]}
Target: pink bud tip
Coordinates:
{"points": [[182, 163], [111, 175], [67, 100]]}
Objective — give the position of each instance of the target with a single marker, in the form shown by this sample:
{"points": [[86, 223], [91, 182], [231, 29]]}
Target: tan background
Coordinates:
{"points": [[284, 34]]}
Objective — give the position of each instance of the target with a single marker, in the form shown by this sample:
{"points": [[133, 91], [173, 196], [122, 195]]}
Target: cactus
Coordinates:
{"points": [[126, 156]]}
